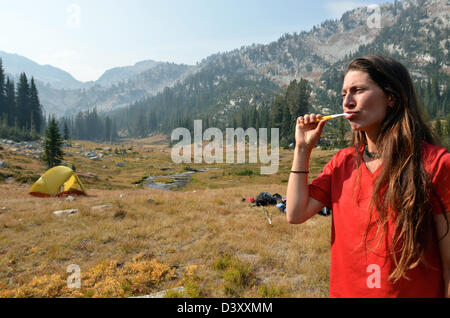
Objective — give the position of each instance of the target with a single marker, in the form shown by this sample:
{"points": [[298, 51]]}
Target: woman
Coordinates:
{"points": [[389, 192]]}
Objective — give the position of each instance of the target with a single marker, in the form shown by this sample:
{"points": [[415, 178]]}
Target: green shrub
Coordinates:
{"points": [[192, 289], [237, 276], [222, 262], [245, 172], [173, 294], [271, 291]]}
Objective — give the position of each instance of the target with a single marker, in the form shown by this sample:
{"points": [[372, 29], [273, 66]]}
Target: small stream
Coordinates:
{"points": [[179, 180]]}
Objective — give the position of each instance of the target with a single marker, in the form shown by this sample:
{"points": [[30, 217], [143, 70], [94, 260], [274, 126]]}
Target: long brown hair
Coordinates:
{"points": [[403, 189]]}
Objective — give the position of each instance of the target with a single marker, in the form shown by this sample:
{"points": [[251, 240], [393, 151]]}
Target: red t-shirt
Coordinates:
{"points": [[356, 271]]}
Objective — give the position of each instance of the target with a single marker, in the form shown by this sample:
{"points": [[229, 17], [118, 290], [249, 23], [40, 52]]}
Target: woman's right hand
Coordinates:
{"points": [[308, 131]]}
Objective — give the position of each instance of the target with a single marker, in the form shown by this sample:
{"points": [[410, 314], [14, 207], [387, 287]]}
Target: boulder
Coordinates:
{"points": [[163, 293], [10, 180], [101, 207], [65, 212]]}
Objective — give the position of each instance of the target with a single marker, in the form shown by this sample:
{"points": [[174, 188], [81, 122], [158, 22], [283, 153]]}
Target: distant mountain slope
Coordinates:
{"points": [[107, 98], [61, 94], [15, 64], [309, 53], [119, 74], [418, 38], [414, 31]]}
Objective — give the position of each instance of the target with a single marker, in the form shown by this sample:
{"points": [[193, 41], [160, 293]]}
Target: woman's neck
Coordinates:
{"points": [[372, 159], [372, 147], [371, 142]]}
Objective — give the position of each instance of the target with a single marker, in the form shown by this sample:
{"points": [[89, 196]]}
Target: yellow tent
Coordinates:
{"points": [[57, 181]]}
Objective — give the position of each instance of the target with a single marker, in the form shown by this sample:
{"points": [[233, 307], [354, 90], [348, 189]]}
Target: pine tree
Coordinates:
{"points": [[139, 127], [107, 136], [114, 135], [287, 128], [292, 97], [435, 95], [23, 102], [3, 106], [53, 153], [264, 117], [96, 125], [66, 131], [304, 95], [297, 97], [253, 117], [276, 112], [35, 107], [79, 125], [10, 100]]}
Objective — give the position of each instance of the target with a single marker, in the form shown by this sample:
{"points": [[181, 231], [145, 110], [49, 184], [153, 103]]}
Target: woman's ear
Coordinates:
{"points": [[391, 101]]}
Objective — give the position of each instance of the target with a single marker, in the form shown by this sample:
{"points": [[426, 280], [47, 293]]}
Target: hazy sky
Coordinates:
{"points": [[87, 37]]}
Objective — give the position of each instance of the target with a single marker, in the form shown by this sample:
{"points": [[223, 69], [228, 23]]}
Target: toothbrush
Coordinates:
{"points": [[332, 116], [328, 117]]}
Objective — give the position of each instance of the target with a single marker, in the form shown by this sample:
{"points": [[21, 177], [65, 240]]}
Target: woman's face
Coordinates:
{"points": [[365, 101]]}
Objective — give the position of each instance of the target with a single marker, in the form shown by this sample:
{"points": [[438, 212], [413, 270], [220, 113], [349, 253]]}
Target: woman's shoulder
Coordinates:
{"points": [[434, 154], [345, 154], [348, 152]]}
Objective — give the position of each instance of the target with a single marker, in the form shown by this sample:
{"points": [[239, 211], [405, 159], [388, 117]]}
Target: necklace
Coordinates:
{"points": [[371, 155]]}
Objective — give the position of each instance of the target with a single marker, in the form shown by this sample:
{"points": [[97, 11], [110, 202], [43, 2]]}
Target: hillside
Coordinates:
{"points": [[61, 94], [119, 74], [414, 31], [48, 74], [115, 93], [411, 31]]}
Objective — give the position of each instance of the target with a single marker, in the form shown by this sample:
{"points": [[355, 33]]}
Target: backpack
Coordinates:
{"points": [[265, 198]]}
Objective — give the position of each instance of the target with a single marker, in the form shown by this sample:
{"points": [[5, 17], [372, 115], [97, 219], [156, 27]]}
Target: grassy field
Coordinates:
{"points": [[130, 240]]}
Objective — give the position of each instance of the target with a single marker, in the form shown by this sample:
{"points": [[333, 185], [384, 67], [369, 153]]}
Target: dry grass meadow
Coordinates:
{"points": [[202, 237]]}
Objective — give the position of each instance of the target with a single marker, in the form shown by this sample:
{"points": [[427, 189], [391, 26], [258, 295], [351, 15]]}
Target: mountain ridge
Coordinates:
{"points": [[62, 94], [16, 64], [309, 54], [412, 31]]}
